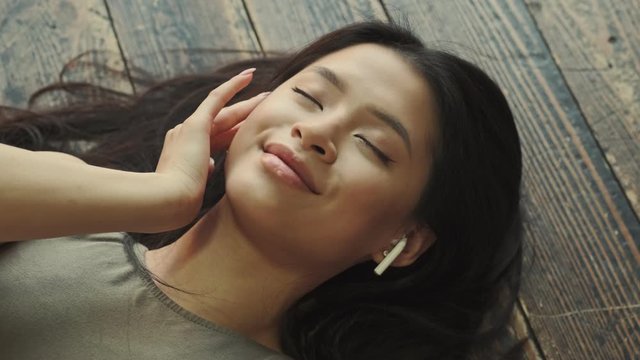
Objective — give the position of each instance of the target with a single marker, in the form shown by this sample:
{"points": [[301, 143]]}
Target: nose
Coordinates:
{"points": [[316, 137]]}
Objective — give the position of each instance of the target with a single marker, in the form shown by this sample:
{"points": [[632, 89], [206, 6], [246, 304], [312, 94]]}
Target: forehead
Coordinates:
{"points": [[373, 74]]}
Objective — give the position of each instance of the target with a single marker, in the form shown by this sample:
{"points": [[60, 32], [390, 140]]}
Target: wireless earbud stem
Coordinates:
{"points": [[390, 258]]}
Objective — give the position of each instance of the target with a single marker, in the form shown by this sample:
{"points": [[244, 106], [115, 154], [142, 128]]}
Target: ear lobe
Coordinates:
{"points": [[418, 242]]}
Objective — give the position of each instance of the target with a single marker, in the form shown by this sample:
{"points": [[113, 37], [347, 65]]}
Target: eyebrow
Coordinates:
{"points": [[380, 114]]}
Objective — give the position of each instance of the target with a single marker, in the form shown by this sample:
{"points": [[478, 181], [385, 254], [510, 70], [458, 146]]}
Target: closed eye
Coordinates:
{"points": [[381, 155], [303, 93]]}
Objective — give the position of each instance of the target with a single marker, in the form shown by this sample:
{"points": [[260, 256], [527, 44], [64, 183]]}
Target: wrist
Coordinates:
{"points": [[167, 206]]}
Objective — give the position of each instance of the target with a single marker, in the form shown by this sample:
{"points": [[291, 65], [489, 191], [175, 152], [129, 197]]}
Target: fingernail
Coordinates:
{"points": [[247, 72], [264, 94]]}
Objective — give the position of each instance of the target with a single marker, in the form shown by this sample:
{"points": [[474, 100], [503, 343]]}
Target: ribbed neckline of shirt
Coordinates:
{"points": [[135, 253]]}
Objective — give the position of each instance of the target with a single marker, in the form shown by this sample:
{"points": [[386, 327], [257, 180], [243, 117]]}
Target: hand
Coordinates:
{"points": [[185, 161]]}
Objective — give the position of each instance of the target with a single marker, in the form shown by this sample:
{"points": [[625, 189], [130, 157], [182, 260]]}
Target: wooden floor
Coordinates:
{"points": [[571, 71]]}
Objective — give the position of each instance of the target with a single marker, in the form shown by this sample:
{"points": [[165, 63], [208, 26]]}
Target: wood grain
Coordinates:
{"points": [[581, 287], [37, 38], [284, 25], [596, 45], [161, 39]]}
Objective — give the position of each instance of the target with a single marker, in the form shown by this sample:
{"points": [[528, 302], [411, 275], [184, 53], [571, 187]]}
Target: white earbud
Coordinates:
{"points": [[391, 256]]}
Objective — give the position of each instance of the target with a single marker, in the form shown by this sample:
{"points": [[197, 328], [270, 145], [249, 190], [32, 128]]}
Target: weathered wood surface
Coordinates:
{"points": [[37, 38], [596, 45], [581, 286], [164, 38], [285, 25]]}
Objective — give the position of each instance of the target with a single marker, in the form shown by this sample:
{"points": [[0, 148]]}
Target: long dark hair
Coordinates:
{"points": [[455, 299]]}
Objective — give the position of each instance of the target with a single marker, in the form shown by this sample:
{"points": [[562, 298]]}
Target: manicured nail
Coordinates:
{"points": [[264, 94], [247, 72]]}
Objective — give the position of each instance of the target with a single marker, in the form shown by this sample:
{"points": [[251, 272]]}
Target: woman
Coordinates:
{"points": [[368, 147]]}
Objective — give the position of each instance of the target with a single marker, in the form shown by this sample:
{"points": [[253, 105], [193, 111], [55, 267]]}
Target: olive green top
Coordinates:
{"points": [[88, 297]]}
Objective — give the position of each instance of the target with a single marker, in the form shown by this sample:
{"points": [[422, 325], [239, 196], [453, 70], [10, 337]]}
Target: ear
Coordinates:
{"points": [[419, 240]]}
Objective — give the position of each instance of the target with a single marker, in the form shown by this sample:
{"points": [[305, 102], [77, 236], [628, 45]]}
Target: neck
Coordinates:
{"points": [[230, 282]]}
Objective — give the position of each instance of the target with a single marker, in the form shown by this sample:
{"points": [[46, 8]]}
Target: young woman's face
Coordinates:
{"points": [[327, 169]]}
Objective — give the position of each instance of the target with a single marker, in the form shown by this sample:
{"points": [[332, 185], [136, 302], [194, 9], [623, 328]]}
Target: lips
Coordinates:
{"points": [[292, 161]]}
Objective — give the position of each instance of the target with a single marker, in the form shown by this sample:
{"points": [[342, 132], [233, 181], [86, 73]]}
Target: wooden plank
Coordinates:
{"points": [[522, 330], [37, 38], [596, 45], [284, 25], [163, 38], [581, 286]]}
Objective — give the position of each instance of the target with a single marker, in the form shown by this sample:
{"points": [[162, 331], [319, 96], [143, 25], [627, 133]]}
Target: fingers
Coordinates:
{"points": [[216, 100], [234, 114], [223, 140]]}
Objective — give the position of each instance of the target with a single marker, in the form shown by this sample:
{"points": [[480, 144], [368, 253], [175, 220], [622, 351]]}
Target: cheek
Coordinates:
{"points": [[272, 110], [360, 218], [366, 206], [247, 132], [271, 113]]}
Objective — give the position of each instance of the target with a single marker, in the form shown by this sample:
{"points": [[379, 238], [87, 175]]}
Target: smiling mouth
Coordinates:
{"points": [[284, 163]]}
